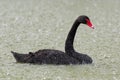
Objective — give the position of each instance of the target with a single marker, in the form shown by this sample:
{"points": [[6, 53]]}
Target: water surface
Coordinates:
{"points": [[30, 25]]}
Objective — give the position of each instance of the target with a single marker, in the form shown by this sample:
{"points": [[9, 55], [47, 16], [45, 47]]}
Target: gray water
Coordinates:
{"points": [[30, 25]]}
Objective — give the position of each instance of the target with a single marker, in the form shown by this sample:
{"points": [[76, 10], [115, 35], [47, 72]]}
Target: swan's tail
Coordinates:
{"points": [[16, 55], [19, 57], [13, 52]]}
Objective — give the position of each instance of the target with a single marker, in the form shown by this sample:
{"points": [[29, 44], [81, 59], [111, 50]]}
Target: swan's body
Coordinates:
{"points": [[49, 56]]}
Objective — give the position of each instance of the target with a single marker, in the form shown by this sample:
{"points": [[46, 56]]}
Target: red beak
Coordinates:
{"points": [[89, 24]]}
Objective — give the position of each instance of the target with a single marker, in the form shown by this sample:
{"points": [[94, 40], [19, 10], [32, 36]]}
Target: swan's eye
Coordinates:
{"points": [[88, 22]]}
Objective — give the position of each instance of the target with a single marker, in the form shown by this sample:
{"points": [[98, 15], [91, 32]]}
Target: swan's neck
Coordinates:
{"points": [[70, 38]]}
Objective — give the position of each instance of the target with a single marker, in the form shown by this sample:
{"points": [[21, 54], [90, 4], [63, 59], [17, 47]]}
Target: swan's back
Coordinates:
{"points": [[47, 56]]}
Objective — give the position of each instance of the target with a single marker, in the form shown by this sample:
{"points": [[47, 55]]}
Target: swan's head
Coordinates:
{"points": [[85, 20]]}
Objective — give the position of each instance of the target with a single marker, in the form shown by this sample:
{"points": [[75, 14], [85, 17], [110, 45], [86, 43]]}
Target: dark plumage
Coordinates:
{"points": [[49, 56]]}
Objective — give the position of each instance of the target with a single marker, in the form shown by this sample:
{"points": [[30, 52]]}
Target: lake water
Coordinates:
{"points": [[30, 25]]}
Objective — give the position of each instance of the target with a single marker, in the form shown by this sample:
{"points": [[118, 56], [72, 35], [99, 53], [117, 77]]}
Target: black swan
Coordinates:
{"points": [[49, 56]]}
